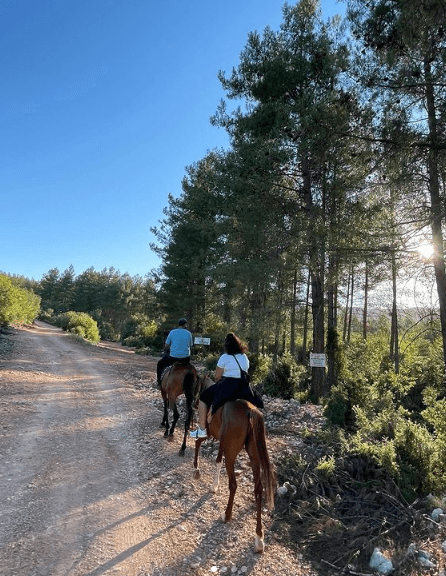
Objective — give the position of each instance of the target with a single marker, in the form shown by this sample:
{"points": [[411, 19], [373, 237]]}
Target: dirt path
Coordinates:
{"points": [[89, 485]]}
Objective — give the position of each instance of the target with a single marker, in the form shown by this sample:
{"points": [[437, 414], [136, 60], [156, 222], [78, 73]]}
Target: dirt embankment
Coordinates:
{"points": [[90, 486]]}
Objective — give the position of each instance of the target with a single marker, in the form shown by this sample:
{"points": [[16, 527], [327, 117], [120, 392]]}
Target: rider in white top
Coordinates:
{"points": [[230, 367], [229, 384]]}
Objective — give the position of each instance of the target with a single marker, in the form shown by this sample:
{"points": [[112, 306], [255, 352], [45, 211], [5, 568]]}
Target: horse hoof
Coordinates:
{"points": [[214, 488], [181, 452], [223, 517], [170, 438], [259, 545], [196, 474]]}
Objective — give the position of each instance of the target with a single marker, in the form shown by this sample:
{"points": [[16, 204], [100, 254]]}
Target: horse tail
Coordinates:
{"points": [[259, 436]]}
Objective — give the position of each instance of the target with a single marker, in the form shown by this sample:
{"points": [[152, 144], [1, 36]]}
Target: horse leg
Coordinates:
{"points": [[258, 490], [216, 483], [176, 415], [218, 460], [165, 417], [165, 421], [198, 443], [226, 517], [189, 412]]}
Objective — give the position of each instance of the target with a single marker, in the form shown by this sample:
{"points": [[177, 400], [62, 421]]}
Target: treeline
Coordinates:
{"points": [[123, 307]]}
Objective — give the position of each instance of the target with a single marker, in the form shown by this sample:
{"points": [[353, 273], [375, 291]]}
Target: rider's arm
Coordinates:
{"points": [[218, 373]]}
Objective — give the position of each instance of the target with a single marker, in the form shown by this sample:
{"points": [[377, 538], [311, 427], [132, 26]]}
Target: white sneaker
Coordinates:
{"points": [[198, 433]]}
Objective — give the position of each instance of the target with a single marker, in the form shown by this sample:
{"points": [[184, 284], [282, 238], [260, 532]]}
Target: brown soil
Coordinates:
{"points": [[90, 486]]}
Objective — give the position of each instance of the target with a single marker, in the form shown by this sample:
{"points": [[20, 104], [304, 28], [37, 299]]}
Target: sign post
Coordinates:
{"points": [[317, 360], [198, 340]]}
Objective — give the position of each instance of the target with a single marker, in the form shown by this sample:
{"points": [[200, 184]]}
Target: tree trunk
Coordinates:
{"points": [[347, 307], [350, 314], [394, 336], [293, 317], [316, 267], [317, 297], [436, 204], [305, 329], [332, 328], [366, 301]]}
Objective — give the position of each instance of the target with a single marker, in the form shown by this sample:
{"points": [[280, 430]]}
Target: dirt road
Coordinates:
{"points": [[89, 485]]}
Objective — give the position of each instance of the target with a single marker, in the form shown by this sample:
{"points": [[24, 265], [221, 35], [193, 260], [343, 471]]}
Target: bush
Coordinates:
{"points": [[395, 419], [284, 378], [210, 362], [17, 305], [79, 323], [47, 316], [259, 367], [140, 332], [405, 449]]}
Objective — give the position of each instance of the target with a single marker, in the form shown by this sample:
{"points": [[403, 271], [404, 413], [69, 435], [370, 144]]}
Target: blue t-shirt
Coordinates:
{"points": [[180, 341]]}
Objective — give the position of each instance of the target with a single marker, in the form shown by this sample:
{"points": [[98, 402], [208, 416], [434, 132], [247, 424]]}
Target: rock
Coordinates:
{"points": [[291, 488], [282, 491], [424, 558], [380, 563], [435, 514]]}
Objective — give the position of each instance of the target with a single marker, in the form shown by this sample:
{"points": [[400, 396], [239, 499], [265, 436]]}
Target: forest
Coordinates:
{"points": [[318, 231]]}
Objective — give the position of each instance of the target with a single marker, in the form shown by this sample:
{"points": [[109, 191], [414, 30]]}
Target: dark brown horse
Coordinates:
{"points": [[176, 380], [240, 424]]}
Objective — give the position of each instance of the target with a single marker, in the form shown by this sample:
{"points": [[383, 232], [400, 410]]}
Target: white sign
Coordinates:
{"points": [[198, 340], [317, 360]]}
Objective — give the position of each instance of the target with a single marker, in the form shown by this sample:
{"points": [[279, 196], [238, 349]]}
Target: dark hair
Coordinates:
{"points": [[182, 321], [233, 344]]}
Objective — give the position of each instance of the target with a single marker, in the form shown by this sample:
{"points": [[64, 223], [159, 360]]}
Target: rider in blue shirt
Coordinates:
{"points": [[178, 344]]}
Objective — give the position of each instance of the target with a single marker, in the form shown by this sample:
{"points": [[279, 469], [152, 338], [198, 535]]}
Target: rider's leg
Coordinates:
{"points": [[202, 414], [200, 432], [163, 363]]}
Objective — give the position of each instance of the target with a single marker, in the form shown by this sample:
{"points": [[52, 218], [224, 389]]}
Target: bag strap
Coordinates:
{"points": [[238, 365]]}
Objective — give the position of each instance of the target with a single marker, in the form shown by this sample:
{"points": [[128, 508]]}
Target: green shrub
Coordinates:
{"points": [[47, 316], [395, 419], [284, 378], [326, 466], [140, 332], [79, 323], [210, 362], [17, 305], [259, 367]]}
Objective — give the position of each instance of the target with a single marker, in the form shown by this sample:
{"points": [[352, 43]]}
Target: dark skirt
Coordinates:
{"points": [[229, 389]]}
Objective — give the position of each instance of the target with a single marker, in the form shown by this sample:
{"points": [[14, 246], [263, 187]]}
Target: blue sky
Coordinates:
{"points": [[103, 105]]}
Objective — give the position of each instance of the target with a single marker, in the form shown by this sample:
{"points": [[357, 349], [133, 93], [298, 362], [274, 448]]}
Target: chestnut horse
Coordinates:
{"points": [[175, 380], [236, 424]]}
